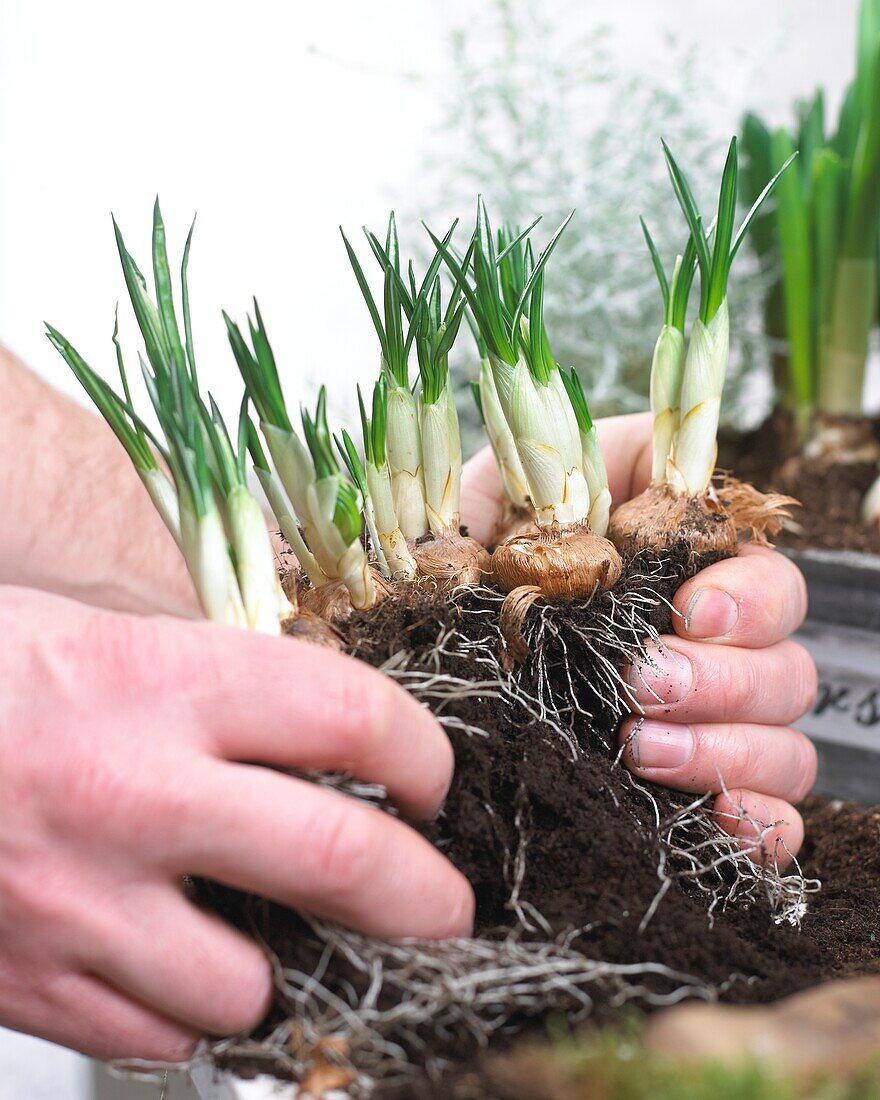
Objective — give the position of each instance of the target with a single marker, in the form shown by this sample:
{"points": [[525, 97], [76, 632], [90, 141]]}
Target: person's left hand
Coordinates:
{"points": [[719, 696]]}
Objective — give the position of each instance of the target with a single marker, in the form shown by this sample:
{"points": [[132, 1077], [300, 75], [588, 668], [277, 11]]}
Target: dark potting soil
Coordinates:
{"points": [[592, 845], [830, 493]]}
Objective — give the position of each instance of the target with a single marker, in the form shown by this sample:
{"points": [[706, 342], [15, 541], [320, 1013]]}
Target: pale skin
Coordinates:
{"points": [[129, 748]]}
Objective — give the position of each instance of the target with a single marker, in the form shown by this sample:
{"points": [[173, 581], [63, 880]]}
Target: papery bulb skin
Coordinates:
{"points": [[660, 520], [570, 563], [707, 525], [453, 559]]}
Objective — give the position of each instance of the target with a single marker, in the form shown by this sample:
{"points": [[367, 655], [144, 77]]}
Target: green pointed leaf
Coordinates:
{"points": [[658, 265], [538, 269]]}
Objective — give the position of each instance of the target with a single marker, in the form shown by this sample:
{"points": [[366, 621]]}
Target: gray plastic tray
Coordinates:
{"points": [[842, 633]]}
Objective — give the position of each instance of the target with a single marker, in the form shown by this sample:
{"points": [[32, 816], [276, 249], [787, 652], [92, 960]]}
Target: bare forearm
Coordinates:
{"points": [[75, 518]]}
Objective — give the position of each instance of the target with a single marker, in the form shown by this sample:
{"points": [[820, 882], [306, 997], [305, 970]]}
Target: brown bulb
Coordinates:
{"points": [[332, 601], [659, 520], [706, 525], [453, 559], [308, 627], [570, 562]]}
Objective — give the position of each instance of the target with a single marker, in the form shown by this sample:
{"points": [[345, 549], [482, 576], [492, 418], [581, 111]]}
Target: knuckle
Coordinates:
{"points": [[96, 792], [731, 682], [141, 805], [367, 705], [772, 595], [111, 647], [341, 848], [743, 753], [806, 765], [39, 901], [805, 677]]}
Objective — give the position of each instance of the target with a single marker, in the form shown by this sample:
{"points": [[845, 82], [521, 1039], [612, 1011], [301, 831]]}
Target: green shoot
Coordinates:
{"points": [[259, 370], [575, 390], [715, 265], [215, 520], [374, 427], [793, 215], [478, 401], [254, 446], [487, 293], [822, 237], [347, 510], [394, 341], [352, 460], [116, 410], [675, 291], [436, 333]]}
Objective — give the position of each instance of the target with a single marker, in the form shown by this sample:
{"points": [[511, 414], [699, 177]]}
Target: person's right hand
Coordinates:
{"points": [[129, 756]]}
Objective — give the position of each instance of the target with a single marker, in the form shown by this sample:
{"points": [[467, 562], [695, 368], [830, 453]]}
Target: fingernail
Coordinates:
{"points": [[712, 613], [661, 745], [665, 676]]}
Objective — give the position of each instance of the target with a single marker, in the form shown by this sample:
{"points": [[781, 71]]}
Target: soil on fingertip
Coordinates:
{"points": [[830, 493], [591, 836]]}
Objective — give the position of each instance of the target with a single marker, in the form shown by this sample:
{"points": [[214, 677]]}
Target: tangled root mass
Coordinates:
{"points": [[593, 890]]}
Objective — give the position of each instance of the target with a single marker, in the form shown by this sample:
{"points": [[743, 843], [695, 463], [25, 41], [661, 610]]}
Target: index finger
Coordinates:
{"points": [[753, 600]]}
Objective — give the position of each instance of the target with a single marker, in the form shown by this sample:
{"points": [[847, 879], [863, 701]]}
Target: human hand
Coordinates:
{"points": [[123, 744], [719, 695]]}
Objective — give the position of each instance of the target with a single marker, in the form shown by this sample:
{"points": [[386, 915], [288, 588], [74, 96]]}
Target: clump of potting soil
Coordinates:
{"points": [[593, 890], [831, 491]]}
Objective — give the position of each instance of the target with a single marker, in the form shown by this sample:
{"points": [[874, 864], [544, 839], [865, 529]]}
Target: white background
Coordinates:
{"points": [[276, 120]]}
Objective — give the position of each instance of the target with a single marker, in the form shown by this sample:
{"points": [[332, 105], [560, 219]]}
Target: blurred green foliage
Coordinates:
{"points": [[543, 114]]}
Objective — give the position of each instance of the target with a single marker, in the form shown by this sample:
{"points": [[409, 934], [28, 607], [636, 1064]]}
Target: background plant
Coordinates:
{"points": [[819, 242], [544, 120]]}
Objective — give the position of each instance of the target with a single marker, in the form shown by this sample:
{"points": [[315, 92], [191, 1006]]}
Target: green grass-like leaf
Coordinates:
{"points": [[724, 225], [352, 460], [398, 301], [478, 400], [688, 205], [537, 272], [164, 293], [482, 295], [863, 211], [318, 438], [347, 513], [756, 206], [259, 370], [187, 322], [827, 196], [575, 390], [715, 265], [658, 266], [116, 410], [255, 446]]}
